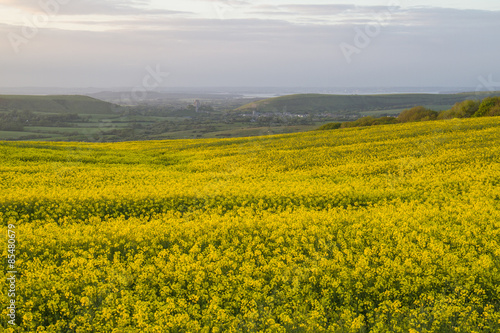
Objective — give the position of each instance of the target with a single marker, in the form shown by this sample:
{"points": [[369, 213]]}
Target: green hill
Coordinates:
{"points": [[56, 104], [315, 103]]}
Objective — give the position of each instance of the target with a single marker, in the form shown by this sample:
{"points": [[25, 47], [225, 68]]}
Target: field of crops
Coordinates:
{"points": [[383, 229]]}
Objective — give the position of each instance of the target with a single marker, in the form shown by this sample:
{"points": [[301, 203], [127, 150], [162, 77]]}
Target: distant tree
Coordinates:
{"points": [[417, 113], [463, 109], [206, 108], [488, 107]]}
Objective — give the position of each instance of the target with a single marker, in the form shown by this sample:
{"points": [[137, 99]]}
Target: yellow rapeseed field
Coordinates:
{"points": [[383, 229]]}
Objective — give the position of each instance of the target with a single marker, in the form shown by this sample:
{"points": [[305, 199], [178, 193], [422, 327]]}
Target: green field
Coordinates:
{"points": [[14, 135], [80, 118]]}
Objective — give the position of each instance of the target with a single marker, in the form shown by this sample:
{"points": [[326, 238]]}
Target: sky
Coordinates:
{"points": [[150, 44]]}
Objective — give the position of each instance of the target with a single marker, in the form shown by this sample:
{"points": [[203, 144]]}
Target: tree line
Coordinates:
{"points": [[488, 107]]}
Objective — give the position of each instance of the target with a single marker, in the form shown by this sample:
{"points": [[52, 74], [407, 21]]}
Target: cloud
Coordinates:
{"points": [[93, 7], [455, 17], [330, 9], [415, 46]]}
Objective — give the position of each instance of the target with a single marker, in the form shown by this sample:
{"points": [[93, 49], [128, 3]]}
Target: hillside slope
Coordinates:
{"points": [[56, 104], [314, 103]]}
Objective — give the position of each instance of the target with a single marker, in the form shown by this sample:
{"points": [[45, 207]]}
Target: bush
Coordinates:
{"points": [[463, 109], [488, 107], [329, 126], [417, 113]]}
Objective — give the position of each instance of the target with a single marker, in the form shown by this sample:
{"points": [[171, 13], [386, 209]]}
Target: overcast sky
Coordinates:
{"points": [[294, 43]]}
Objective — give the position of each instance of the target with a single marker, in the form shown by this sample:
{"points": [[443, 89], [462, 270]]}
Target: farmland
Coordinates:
{"points": [[82, 118], [391, 228]]}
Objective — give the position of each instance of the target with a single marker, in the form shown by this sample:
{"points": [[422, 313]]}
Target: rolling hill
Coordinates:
{"points": [[316, 103], [56, 104]]}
